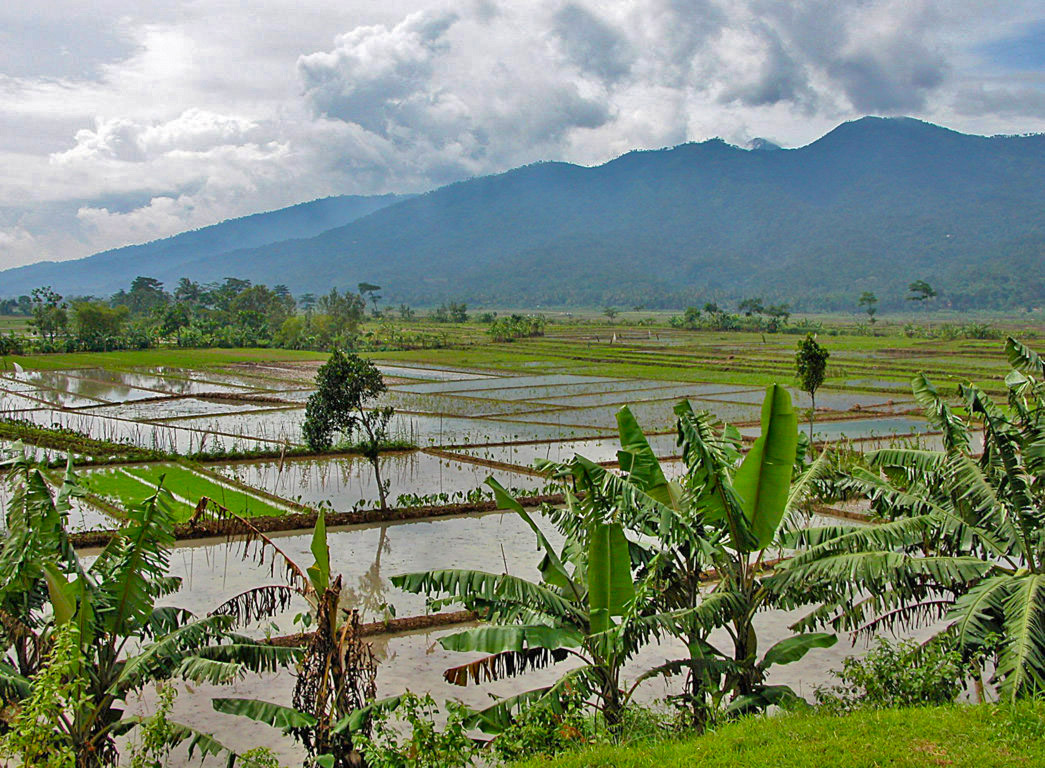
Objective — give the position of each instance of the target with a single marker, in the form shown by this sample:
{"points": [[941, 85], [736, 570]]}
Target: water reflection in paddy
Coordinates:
{"points": [[366, 556], [347, 482]]}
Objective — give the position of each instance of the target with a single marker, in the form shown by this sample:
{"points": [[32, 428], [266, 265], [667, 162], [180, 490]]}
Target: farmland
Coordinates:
{"points": [[463, 412]]}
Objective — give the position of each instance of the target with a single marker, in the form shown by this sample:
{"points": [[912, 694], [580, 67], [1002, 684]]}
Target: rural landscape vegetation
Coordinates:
{"points": [[707, 454]]}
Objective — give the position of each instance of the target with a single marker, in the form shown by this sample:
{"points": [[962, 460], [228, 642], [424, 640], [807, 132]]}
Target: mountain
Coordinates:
{"points": [[873, 205], [105, 273]]}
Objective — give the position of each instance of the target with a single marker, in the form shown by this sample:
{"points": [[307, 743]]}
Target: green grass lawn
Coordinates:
{"points": [[985, 736]]}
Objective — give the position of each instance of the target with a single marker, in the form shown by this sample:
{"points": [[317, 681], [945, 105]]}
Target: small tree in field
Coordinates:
{"points": [[346, 386], [870, 304], [811, 366]]}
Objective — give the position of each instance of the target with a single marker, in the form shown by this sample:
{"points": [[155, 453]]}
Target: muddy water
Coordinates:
{"points": [[432, 374], [162, 437], [675, 392], [598, 450], [858, 429], [654, 415], [835, 401], [477, 385], [348, 482], [426, 430], [366, 556]]}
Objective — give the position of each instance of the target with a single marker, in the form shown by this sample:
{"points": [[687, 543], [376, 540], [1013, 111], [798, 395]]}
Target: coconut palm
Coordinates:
{"points": [[962, 537]]}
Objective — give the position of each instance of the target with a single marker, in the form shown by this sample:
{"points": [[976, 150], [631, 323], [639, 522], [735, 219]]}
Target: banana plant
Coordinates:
{"points": [[962, 533], [124, 640], [715, 524], [336, 676], [586, 607]]}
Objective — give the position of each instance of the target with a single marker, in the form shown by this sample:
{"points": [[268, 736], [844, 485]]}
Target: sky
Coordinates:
{"points": [[122, 121]]}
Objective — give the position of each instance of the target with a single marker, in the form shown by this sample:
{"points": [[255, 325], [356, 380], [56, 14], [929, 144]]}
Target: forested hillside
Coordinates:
{"points": [[872, 206]]}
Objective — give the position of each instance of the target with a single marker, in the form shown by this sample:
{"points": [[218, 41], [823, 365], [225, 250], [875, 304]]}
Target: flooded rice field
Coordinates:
{"points": [[483, 422], [345, 483]]}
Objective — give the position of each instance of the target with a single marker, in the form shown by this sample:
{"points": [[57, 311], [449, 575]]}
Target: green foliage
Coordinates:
{"points": [[156, 733], [902, 674], [516, 327], [31, 737], [962, 537], [49, 313], [259, 757], [546, 731], [346, 386], [450, 312], [425, 746], [811, 367], [125, 641], [921, 291]]}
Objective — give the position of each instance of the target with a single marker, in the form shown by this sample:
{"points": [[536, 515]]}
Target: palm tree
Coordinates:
{"points": [[962, 535], [716, 524]]}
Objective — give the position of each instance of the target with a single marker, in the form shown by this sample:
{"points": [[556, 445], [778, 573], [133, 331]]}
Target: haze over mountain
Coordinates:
{"points": [[106, 272], [872, 205]]}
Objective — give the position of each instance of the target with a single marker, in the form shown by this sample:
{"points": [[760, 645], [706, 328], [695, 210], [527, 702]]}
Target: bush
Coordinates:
{"points": [[425, 747], [544, 731], [517, 327], [903, 674]]}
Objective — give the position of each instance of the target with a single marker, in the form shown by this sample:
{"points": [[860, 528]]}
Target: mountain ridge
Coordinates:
{"points": [[871, 205]]}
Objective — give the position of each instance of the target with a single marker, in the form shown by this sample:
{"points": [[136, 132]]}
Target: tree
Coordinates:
{"points": [[961, 535], [307, 301], [405, 312], [346, 387], [716, 518], [98, 325], [811, 366], [778, 315], [188, 292], [122, 641], [637, 552], [610, 312], [751, 307], [370, 291], [49, 315], [345, 311], [585, 606], [870, 304], [145, 295], [921, 291]]}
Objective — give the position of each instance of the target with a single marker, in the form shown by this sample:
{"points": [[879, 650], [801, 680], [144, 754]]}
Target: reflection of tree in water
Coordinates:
{"points": [[370, 597]]}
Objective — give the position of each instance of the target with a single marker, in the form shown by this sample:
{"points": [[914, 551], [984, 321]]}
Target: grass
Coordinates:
{"points": [[961, 736], [166, 357], [126, 486]]}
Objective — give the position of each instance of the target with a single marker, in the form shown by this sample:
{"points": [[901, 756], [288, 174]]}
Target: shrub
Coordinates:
{"points": [[902, 674], [546, 731], [425, 747]]}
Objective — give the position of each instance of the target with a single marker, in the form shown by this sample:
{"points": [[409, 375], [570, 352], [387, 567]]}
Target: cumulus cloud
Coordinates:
{"points": [[591, 44], [204, 111]]}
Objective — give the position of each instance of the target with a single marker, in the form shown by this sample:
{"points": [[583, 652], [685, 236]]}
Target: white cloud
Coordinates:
{"points": [[185, 113]]}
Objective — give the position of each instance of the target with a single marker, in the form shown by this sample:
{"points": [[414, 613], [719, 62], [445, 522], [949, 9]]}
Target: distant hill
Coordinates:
{"points": [[105, 273], [873, 205]]}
